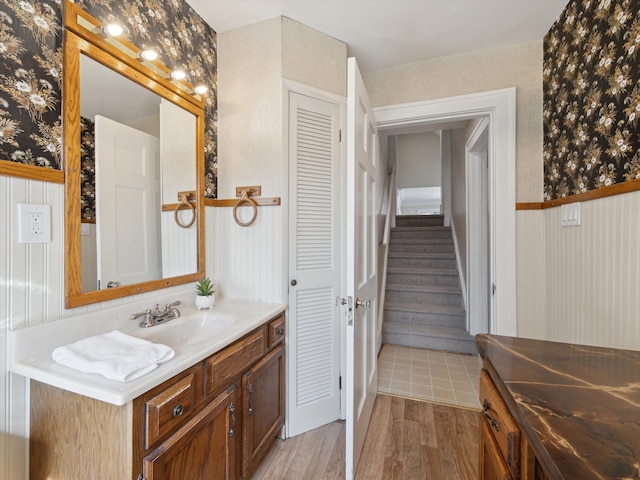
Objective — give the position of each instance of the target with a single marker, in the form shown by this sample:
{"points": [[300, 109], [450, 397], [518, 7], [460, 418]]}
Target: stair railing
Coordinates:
{"points": [[391, 201]]}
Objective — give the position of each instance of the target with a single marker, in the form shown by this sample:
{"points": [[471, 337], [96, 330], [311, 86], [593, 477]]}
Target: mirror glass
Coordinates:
{"points": [[138, 154]]}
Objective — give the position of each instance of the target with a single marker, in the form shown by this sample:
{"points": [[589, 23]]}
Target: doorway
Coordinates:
{"points": [[499, 108]]}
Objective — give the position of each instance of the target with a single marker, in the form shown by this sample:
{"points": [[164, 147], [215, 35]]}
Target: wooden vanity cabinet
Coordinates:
{"points": [[203, 448], [500, 435], [504, 453], [263, 405], [212, 421]]}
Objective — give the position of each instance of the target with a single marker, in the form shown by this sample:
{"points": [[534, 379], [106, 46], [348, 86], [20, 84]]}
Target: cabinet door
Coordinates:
{"points": [[491, 465], [263, 412], [203, 449]]}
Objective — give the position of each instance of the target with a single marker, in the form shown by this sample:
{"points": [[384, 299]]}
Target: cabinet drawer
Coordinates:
{"points": [[500, 423], [233, 360], [276, 331], [165, 411]]}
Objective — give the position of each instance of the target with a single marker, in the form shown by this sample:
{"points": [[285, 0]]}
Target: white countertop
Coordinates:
{"points": [[31, 348]]}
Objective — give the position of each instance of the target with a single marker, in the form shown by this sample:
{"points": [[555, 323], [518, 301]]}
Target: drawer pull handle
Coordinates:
{"points": [[280, 332], [177, 411], [485, 412], [232, 415], [251, 399]]}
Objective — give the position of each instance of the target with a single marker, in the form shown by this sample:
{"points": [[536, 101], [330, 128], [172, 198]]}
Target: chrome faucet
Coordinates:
{"points": [[157, 317]]}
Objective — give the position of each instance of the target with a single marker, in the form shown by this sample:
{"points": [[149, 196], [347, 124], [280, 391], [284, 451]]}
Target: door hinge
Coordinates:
{"points": [[339, 135], [493, 289], [340, 382]]}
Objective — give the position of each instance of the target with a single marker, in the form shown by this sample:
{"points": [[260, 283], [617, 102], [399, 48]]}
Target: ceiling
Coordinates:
{"points": [[386, 33]]}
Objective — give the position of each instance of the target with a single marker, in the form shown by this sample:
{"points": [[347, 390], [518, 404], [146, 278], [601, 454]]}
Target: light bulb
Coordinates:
{"points": [[113, 30], [200, 89], [178, 75], [148, 55]]}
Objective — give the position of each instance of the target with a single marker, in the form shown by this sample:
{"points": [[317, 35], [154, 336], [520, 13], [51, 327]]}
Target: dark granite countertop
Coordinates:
{"points": [[579, 406]]}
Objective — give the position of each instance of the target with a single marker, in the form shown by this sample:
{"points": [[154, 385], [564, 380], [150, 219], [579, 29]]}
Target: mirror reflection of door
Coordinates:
{"points": [[127, 204]]}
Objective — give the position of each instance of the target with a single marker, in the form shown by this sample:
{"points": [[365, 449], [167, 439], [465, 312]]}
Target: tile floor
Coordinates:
{"points": [[439, 377]]}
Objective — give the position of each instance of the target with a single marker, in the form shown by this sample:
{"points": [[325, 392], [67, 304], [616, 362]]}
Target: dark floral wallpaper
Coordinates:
{"points": [[591, 97], [30, 82], [87, 169], [31, 65]]}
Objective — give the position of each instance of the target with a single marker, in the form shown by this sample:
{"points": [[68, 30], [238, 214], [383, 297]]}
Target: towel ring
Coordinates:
{"points": [[245, 198], [184, 201]]}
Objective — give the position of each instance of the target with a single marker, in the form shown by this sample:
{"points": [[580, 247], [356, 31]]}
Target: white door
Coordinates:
{"points": [[362, 151], [127, 204], [314, 267]]}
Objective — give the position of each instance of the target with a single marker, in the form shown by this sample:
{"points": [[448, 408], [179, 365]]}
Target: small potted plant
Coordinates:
{"points": [[206, 294]]}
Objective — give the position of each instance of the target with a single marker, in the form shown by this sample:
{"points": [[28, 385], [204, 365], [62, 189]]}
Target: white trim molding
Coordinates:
{"points": [[500, 107]]}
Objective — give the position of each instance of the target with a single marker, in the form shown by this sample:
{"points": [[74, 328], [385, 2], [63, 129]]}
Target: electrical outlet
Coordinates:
{"points": [[34, 223]]}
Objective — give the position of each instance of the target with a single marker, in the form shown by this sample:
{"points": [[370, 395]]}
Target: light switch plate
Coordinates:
{"points": [[570, 215], [34, 223]]}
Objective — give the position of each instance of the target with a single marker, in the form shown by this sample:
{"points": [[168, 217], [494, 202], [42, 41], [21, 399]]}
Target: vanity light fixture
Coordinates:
{"points": [[200, 89], [148, 55], [178, 75], [112, 30]]}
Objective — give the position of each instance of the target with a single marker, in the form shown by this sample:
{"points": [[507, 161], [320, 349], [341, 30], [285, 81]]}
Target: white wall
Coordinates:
{"points": [[518, 66], [419, 160], [252, 63]]}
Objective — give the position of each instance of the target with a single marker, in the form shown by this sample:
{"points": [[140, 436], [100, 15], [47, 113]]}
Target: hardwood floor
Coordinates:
{"points": [[406, 440]]}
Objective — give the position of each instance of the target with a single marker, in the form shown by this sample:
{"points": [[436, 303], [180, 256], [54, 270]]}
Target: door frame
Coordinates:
{"points": [[288, 87], [500, 107], [480, 253]]}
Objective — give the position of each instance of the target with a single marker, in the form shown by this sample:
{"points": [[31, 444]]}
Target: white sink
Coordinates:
{"points": [[187, 330]]}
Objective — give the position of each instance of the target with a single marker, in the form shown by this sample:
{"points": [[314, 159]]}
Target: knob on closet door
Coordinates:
{"points": [[294, 282]]}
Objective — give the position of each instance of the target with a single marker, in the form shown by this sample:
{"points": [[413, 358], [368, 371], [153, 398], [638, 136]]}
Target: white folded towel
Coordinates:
{"points": [[114, 355]]}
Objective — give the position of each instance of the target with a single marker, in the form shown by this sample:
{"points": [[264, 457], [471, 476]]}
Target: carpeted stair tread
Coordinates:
{"points": [[423, 271], [425, 308], [420, 241], [429, 336], [445, 255], [424, 288], [446, 332], [421, 229]]}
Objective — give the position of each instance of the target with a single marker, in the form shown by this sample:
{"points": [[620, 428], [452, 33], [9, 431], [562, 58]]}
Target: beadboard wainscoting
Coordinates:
{"points": [[32, 293], [530, 274], [593, 273], [249, 261]]}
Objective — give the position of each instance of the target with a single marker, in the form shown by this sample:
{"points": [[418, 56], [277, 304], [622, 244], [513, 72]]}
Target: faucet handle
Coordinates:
{"points": [[140, 314], [157, 310], [171, 305]]}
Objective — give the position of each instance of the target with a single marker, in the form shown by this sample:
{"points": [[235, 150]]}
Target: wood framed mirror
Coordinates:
{"points": [[134, 169]]}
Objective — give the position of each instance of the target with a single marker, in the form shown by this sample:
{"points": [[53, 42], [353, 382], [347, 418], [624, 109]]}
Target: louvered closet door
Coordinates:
{"points": [[314, 270]]}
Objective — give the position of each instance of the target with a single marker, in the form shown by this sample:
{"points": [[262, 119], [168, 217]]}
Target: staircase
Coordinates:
{"points": [[423, 300]]}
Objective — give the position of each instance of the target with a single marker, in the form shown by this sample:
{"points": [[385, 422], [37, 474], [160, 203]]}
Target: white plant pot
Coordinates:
{"points": [[203, 302]]}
